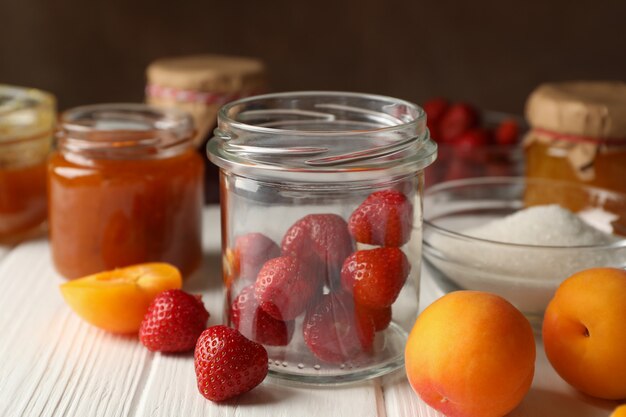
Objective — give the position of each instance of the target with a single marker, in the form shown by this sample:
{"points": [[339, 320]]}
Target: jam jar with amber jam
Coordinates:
{"points": [[27, 118], [125, 187]]}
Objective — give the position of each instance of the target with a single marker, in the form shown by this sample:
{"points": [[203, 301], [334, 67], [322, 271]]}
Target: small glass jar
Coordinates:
{"points": [[27, 118], [578, 134], [200, 85], [321, 228], [125, 187]]}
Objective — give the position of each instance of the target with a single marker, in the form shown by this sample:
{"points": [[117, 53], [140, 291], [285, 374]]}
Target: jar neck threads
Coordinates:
{"points": [[124, 131]]}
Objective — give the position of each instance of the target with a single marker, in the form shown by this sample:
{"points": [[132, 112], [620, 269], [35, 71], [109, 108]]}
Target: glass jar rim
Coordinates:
{"points": [[223, 113], [26, 114], [14, 98], [351, 133], [123, 130]]}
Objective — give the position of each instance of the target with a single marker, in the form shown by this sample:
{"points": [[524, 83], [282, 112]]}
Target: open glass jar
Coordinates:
{"points": [[321, 228], [125, 187], [27, 118]]}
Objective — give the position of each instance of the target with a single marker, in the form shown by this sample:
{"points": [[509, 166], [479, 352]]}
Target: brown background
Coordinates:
{"points": [[489, 52]]}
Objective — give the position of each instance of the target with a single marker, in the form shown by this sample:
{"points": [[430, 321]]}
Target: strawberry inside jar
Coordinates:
{"points": [[321, 228], [321, 208]]}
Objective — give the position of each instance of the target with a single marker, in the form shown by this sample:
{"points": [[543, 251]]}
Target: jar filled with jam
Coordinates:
{"points": [[200, 85], [27, 118], [125, 186], [578, 134]]}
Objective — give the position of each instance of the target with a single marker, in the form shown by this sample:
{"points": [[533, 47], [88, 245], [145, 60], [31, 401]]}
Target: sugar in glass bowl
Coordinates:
{"points": [[527, 274]]}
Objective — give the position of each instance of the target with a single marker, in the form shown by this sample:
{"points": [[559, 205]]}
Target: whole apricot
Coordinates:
{"points": [[470, 354], [584, 332]]}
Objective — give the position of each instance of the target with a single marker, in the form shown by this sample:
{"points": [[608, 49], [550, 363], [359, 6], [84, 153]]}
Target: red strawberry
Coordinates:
{"points": [[247, 257], [385, 218], [435, 108], [320, 240], [457, 119], [285, 286], [332, 332], [227, 364], [256, 324], [507, 132], [380, 316], [173, 322], [472, 139], [375, 277]]}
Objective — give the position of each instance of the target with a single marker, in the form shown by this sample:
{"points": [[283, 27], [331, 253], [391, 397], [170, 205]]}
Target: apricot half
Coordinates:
{"points": [[584, 332], [471, 353], [117, 300]]}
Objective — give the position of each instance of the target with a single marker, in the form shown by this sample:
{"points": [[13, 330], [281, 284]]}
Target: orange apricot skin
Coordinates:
{"points": [[117, 300], [470, 354], [584, 332]]}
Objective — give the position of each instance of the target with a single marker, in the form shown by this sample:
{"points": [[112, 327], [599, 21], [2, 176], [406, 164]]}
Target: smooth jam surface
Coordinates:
{"points": [[23, 205], [113, 213]]}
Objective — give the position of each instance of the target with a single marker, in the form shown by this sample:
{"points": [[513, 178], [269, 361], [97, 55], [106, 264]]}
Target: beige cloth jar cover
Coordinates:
{"points": [[201, 84], [578, 119]]}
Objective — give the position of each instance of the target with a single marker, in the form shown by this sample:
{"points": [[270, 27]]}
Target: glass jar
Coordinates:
{"points": [[125, 187], [27, 118], [321, 228], [200, 85], [578, 134]]}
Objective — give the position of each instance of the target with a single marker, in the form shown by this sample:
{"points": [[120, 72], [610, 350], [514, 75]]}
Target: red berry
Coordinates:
{"points": [[322, 241], [256, 324], [507, 133], [385, 218], [459, 118], [380, 316], [247, 256], [472, 139], [435, 109], [285, 286], [332, 332], [252, 251], [227, 364], [375, 277], [173, 322]]}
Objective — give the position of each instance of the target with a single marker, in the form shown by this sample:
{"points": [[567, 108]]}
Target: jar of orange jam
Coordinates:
{"points": [[125, 186], [578, 134], [27, 118]]}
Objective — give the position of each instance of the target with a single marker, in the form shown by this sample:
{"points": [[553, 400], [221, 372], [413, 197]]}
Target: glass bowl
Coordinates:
{"points": [[526, 275]]}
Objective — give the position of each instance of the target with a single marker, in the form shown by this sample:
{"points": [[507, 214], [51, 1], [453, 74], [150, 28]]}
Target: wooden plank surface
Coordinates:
{"points": [[53, 364]]}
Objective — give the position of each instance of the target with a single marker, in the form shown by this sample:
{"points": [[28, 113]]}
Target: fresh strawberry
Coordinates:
{"points": [[385, 218], [333, 333], [375, 277], [435, 109], [173, 322], [247, 257], [252, 250], [285, 286], [227, 364], [256, 324], [472, 139], [322, 241], [380, 316], [457, 119], [507, 133]]}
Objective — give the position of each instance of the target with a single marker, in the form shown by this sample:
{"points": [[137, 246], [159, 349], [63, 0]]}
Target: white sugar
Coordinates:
{"points": [[526, 276], [550, 225]]}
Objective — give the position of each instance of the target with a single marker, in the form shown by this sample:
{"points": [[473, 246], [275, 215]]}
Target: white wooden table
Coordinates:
{"points": [[54, 364]]}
